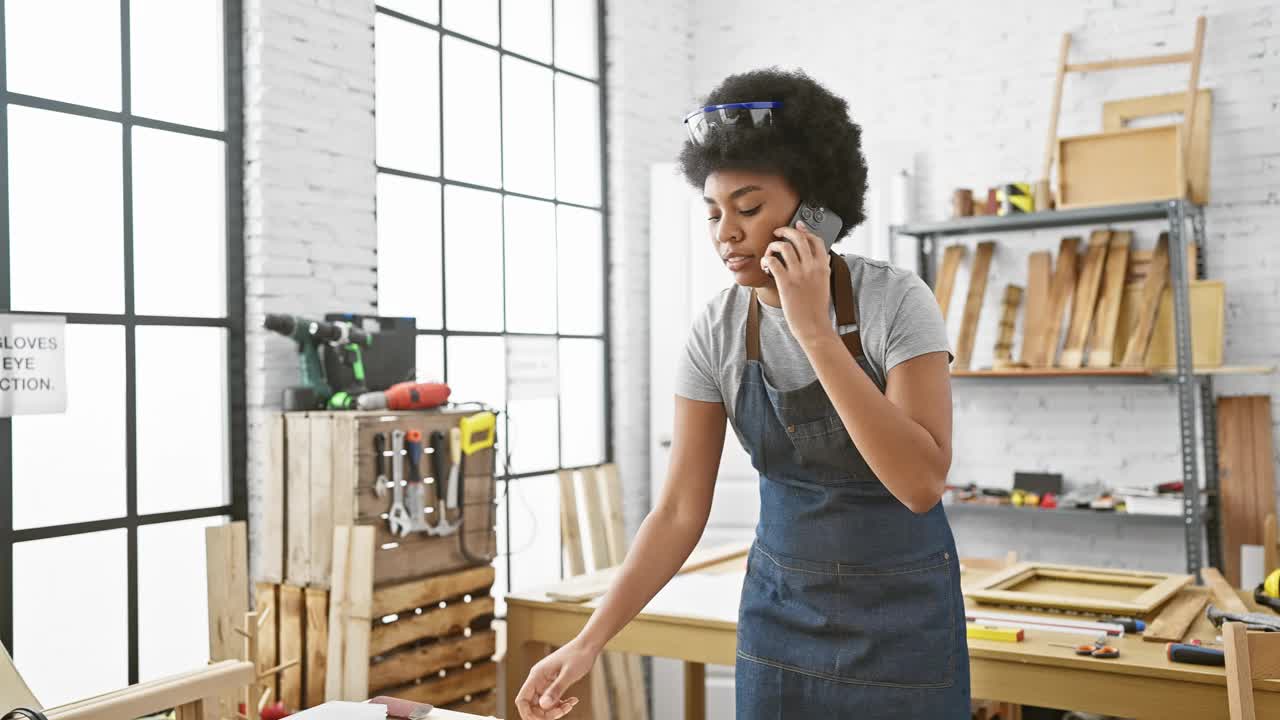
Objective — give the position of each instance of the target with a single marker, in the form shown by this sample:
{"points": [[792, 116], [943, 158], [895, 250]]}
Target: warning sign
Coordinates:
{"points": [[33, 366]]}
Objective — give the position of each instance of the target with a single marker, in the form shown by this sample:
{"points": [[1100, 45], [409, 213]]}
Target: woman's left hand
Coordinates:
{"points": [[804, 284]]}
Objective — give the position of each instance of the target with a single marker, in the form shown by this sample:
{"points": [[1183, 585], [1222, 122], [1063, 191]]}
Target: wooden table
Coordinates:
{"points": [[1141, 683]]}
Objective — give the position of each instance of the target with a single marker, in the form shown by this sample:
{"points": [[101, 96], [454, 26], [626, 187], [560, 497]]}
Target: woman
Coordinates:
{"points": [[833, 372]]}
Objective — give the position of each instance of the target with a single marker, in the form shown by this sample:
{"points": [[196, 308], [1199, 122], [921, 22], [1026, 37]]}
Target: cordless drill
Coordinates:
{"points": [[309, 335]]}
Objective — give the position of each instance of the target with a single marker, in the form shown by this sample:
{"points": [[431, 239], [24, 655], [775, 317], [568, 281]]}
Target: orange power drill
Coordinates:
{"points": [[405, 396]]}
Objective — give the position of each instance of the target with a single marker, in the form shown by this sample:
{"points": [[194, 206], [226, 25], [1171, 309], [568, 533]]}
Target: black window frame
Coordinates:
{"points": [[443, 332], [232, 135]]}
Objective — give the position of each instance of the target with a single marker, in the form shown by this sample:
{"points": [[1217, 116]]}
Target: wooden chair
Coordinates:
{"points": [[1250, 656], [193, 694], [591, 508]]}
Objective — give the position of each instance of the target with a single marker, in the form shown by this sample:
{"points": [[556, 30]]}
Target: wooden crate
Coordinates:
{"points": [[429, 639], [325, 464], [1122, 166]]}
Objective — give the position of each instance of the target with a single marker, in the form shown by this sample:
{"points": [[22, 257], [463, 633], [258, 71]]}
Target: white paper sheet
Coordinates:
{"points": [[703, 595], [344, 710]]}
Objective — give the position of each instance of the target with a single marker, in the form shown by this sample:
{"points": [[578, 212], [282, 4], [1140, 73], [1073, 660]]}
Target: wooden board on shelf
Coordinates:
{"points": [[1003, 352], [973, 303], [1101, 353], [1246, 475], [1135, 353], [1122, 166], [1085, 299], [1083, 589], [1060, 290], [1039, 270], [1117, 114], [1208, 315], [951, 258]]}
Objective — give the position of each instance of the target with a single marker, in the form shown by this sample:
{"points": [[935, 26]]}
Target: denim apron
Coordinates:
{"points": [[851, 606]]}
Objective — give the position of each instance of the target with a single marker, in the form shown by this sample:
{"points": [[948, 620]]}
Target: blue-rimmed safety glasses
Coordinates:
{"points": [[700, 122]]}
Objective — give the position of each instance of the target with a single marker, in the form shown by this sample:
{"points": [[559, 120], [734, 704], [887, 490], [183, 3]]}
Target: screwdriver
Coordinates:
{"points": [[1194, 654]]}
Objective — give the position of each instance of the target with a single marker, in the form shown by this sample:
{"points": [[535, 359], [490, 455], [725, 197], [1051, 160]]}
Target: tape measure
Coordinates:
{"points": [[1015, 198]]}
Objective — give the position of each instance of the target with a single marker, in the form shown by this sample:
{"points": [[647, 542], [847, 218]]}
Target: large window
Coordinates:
{"points": [[491, 232], [120, 147]]}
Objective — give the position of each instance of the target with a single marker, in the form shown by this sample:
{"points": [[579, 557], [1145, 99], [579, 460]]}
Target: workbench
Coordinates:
{"points": [[1142, 683]]}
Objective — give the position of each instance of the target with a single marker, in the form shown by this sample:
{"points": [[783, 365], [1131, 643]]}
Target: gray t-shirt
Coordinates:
{"points": [[897, 311]]}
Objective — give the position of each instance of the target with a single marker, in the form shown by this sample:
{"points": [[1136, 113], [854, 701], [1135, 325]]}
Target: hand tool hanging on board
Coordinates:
{"points": [[444, 487], [417, 492], [473, 434], [380, 460], [399, 521]]}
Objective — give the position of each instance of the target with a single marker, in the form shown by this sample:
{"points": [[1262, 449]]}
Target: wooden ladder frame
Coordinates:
{"points": [[1192, 56]]}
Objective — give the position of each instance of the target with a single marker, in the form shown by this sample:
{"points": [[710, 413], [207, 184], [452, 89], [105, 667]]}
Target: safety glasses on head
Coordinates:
{"points": [[700, 122]]}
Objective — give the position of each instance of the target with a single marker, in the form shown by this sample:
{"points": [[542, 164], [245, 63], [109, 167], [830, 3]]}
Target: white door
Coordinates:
{"points": [[685, 274]]}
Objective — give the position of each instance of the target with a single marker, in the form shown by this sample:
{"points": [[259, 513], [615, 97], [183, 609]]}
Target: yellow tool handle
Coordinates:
{"points": [[477, 431]]}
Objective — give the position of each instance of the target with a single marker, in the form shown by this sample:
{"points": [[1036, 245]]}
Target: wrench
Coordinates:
{"points": [[380, 455], [398, 518]]}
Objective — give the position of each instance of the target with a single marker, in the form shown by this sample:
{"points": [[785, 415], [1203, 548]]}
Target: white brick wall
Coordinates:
{"points": [[969, 85], [648, 85], [309, 187]]}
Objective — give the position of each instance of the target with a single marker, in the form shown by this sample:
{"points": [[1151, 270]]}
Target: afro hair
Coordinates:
{"points": [[812, 142]]}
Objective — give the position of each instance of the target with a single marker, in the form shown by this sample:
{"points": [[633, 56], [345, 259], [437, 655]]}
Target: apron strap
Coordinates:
{"points": [[846, 306], [846, 312]]}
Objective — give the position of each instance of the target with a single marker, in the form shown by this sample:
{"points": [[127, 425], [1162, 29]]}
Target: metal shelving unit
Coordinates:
{"points": [[1200, 526]]}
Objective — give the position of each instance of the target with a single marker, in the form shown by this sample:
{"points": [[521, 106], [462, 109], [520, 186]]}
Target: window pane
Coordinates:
{"points": [[535, 531], [177, 60], [430, 358], [582, 416], [530, 241], [477, 372], [70, 635], [477, 18], [182, 451], [473, 258], [173, 598], [576, 32], [427, 10], [45, 475], [528, 129], [65, 227], [534, 432], [406, 95], [577, 140], [526, 28], [179, 224], [580, 247], [409, 249], [68, 50], [472, 133]]}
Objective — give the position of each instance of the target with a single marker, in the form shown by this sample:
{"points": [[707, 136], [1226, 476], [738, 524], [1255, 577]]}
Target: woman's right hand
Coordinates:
{"points": [[540, 696]]}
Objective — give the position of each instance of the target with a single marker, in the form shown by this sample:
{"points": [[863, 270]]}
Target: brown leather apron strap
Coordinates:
{"points": [[846, 307], [846, 312], [753, 328]]}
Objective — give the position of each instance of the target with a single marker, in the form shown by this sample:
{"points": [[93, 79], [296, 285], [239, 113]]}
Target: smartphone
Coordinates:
{"points": [[822, 222]]}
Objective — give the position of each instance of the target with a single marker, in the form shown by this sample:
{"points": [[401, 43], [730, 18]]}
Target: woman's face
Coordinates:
{"points": [[743, 210]]}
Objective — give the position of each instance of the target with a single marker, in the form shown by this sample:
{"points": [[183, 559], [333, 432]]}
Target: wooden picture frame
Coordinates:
{"points": [[1132, 165], [1072, 587]]}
